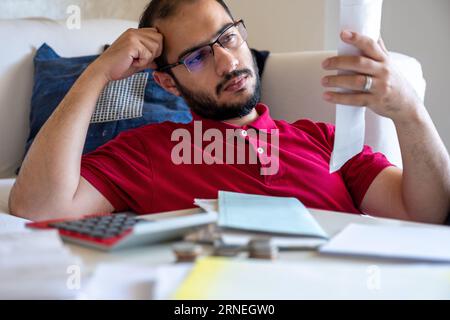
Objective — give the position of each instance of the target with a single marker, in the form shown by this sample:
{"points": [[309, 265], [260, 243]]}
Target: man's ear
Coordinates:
{"points": [[167, 82]]}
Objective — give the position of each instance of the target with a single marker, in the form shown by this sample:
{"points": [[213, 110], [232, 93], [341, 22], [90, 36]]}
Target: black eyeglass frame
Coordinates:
{"points": [[181, 61]]}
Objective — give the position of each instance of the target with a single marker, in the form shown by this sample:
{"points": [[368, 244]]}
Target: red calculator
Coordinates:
{"points": [[123, 230]]}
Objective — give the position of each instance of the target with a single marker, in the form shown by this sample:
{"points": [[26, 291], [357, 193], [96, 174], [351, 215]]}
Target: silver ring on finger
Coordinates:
{"points": [[368, 85]]}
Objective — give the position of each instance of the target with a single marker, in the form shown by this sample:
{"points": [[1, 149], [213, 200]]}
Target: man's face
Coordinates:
{"points": [[228, 85]]}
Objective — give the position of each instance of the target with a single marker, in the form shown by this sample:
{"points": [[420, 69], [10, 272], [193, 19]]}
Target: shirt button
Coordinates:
{"points": [[244, 133], [260, 150]]}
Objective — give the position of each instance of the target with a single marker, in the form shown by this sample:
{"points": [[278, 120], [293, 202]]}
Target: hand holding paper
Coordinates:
{"points": [[364, 17], [366, 78]]}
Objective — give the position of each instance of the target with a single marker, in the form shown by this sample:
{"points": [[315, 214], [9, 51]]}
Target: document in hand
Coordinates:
{"points": [[395, 242], [282, 216], [364, 17]]}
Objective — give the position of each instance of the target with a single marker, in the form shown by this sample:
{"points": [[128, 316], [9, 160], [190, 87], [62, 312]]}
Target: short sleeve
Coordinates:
{"points": [[120, 170], [359, 172]]}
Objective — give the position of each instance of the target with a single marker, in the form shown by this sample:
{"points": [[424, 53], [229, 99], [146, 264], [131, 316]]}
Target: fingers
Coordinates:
{"points": [[367, 45], [350, 82], [149, 47], [151, 34], [154, 48], [349, 99], [356, 64]]}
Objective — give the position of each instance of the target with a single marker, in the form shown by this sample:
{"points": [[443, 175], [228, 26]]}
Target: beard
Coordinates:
{"points": [[207, 107]]}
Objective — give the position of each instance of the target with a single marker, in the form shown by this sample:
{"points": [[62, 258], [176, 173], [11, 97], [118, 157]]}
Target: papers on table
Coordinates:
{"points": [[243, 217], [207, 205], [221, 278], [280, 216], [298, 243], [395, 242], [36, 265], [135, 282], [9, 223], [364, 17], [121, 282]]}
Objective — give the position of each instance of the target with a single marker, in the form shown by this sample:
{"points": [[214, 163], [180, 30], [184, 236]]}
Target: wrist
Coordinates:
{"points": [[414, 114], [97, 71]]}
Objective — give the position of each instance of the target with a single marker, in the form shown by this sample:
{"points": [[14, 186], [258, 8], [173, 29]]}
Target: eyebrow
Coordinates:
{"points": [[206, 42]]}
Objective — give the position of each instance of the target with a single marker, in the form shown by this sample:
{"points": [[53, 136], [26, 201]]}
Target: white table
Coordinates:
{"points": [[155, 256], [332, 222]]}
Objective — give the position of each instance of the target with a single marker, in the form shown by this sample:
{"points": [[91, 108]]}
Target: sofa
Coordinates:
{"points": [[290, 84]]}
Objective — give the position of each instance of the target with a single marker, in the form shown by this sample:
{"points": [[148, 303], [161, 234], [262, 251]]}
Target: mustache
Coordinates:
{"points": [[230, 77]]}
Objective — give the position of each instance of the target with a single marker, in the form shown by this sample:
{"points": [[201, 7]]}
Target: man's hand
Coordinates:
{"points": [[134, 51], [421, 192], [391, 95]]}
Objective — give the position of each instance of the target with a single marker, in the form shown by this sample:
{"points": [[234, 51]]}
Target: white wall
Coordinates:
{"points": [[420, 29], [282, 25], [56, 9]]}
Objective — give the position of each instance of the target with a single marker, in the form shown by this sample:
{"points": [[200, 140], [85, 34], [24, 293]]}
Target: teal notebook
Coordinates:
{"points": [[284, 216]]}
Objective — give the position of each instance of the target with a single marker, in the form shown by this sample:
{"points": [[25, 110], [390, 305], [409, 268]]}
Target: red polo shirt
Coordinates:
{"points": [[137, 172]]}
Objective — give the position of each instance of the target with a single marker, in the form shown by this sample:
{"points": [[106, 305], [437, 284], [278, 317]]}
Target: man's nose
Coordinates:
{"points": [[225, 61]]}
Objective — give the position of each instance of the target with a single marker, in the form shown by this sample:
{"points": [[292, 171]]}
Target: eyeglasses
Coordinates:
{"points": [[231, 38]]}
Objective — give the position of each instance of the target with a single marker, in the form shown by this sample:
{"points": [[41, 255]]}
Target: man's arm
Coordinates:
{"points": [[421, 192], [49, 185]]}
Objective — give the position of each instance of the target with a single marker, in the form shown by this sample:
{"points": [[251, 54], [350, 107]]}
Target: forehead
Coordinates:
{"points": [[193, 24]]}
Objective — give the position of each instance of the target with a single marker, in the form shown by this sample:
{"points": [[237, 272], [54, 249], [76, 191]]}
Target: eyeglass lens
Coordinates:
{"points": [[231, 39]]}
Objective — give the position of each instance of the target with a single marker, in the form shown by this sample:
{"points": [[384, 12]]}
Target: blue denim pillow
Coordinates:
{"points": [[53, 78]]}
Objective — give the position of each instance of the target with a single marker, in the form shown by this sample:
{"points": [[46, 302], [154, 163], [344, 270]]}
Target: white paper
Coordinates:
{"points": [[135, 282], [9, 223], [35, 265], [394, 242], [260, 280], [169, 277], [208, 205], [121, 282], [242, 239], [364, 17]]}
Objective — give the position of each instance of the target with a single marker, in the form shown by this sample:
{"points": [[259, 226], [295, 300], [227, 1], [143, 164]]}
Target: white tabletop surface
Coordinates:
{"points": [[154, 256]]}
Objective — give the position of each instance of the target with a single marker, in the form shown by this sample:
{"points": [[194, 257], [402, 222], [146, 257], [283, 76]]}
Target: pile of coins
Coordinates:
{"points": [[223, 250], [262, 249], [258, 248], [187, 251]]}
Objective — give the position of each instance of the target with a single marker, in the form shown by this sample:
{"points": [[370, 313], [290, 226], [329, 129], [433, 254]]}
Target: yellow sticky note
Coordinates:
{"points": [[200, 283]]}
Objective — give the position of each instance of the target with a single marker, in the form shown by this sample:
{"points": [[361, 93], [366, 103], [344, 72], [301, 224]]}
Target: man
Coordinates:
{"points": [[201, 54]]}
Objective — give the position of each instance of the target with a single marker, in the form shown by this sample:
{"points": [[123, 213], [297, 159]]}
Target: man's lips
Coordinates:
{"points": [[236, 84]]}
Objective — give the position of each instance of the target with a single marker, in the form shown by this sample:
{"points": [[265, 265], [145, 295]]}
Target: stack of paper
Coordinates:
{"points": [[36, 265], [282, 216], [244, 216], [393, 242]]}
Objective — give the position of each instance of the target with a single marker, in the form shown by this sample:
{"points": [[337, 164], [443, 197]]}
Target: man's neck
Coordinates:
{"points": [[240, 122]]}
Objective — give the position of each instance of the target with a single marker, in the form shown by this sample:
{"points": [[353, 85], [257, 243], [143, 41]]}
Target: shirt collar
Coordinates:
{"points": [[263, 122]]}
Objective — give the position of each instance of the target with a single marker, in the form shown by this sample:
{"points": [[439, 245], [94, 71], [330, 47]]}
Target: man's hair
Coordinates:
{"points": [[164, 9]]}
